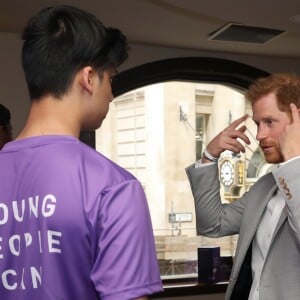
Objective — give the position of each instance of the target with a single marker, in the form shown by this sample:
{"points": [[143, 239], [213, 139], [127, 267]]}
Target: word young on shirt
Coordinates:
{"points": [[31, 207], [37, 241]]}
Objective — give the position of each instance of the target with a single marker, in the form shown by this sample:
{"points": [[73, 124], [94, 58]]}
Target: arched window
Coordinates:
{"points": [[163, 115], [198, 69]]}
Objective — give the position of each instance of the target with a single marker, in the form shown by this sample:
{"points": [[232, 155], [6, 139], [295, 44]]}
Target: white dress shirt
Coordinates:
{"points": [[262, 240]]}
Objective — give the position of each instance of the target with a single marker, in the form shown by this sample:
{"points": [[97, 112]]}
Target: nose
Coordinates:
{"points": [[261, 133]]}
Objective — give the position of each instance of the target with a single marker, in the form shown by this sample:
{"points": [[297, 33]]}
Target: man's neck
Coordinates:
{"points": [[50, 116]]}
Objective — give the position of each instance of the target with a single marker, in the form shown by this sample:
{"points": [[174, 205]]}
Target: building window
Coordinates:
{"points": [[200, 134], [155, 132], [169, 197]]}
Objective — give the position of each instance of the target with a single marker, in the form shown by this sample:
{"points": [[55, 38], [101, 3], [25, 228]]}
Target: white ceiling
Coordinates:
{"points": [[179, 23]]}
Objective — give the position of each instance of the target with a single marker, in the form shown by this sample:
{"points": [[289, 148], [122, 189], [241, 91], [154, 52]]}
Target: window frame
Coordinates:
{"points": [[202, 69]]}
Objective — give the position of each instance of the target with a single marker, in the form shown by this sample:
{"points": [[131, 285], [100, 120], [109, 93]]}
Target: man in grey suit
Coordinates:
{"points": [[267, 217]]}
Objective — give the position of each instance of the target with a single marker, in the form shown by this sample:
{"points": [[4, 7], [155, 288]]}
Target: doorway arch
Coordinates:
{"points": [[204, 69]]}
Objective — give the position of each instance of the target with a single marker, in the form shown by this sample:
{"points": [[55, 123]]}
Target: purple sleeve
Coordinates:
{"points": [[125, 264]]}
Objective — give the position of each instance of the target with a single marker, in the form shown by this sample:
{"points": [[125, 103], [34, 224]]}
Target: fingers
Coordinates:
{"points": [[235, 146], [231, 138], [243, 136], [289, 140], [295, 113], [237, 122], [237, 134]]}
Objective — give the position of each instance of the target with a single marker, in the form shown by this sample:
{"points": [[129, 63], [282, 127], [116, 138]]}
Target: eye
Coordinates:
{"points": [[268, 122]]}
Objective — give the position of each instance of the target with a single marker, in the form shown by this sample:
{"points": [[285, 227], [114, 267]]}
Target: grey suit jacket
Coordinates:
{"points": [[280, 279]]}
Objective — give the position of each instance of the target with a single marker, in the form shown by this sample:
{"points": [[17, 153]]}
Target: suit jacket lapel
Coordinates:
{"points": [[256, 207]]}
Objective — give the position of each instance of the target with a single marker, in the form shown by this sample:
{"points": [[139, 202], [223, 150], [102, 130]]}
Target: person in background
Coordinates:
{"points": [[267, 217], [73, 224], [5, 126]]}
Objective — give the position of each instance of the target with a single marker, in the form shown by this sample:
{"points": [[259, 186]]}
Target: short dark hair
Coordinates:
{"points": [[61, 40], [4, 116]]}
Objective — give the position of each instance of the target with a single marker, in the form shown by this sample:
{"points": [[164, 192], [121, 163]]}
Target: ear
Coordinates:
{"points": [[86, 79]]}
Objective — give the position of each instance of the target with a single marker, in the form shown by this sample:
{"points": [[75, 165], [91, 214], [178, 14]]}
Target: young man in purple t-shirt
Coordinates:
{"points": [[73, 225]]}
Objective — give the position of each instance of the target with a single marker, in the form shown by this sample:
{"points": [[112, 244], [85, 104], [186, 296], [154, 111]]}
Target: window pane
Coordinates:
{"points": [[155, 132], [200, 134]]}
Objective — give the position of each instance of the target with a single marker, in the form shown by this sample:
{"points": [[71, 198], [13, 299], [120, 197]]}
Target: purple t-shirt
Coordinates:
{"points": [[73, 225]]}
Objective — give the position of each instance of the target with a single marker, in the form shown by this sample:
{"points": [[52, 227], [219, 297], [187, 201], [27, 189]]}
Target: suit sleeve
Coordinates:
{"points": [[213, 218]]}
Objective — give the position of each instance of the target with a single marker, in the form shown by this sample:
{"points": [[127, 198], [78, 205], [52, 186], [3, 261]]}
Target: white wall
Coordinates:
{"points": [[13, 91]]}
